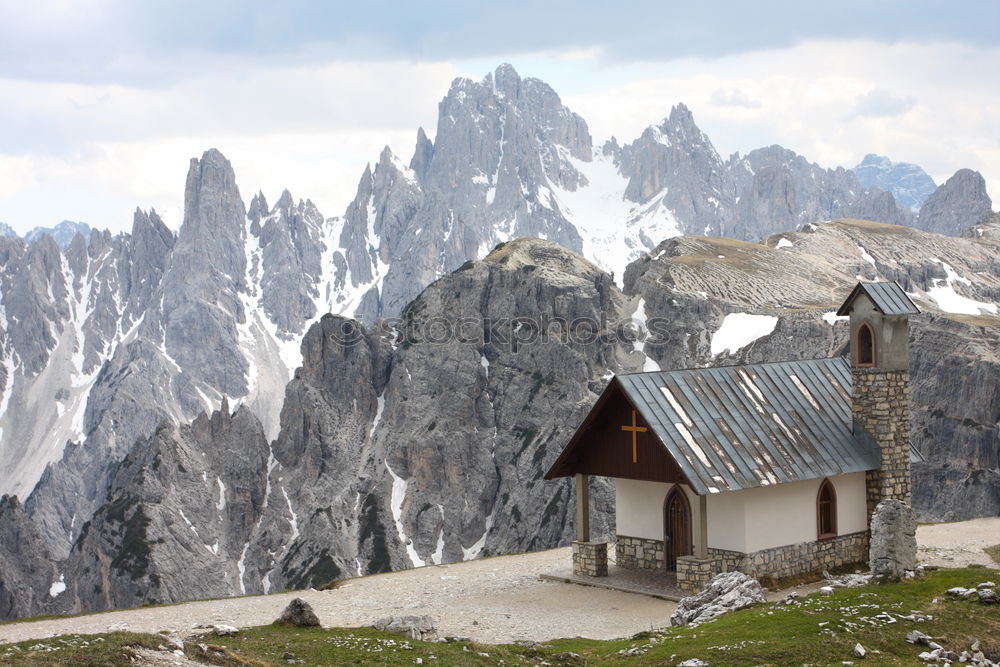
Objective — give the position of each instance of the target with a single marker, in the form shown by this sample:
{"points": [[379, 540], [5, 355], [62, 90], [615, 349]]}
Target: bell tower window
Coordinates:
{"points": [[865, 346]]}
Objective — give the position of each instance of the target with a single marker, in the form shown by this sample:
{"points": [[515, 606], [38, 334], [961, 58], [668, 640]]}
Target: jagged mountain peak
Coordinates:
{"points": [[957, 204], [212, 202], [908, 183], [285, 201], [258, 208], [422, 154]]}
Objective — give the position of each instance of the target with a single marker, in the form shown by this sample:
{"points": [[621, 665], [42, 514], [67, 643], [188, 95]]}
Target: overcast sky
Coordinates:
{"points": [[104, 103]]}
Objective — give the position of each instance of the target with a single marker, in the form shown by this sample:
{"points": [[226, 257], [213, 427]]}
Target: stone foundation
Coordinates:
{"points": [[590, 558], [639, 553], [799, 558], [693, 574]]}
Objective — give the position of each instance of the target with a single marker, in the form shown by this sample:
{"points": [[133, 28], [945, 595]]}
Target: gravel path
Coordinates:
{"points": [[958, 544], [490, 600]]}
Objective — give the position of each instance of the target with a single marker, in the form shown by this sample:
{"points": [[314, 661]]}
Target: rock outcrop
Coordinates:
{"points": [[727, 591], [893, 548], [299, 613]]}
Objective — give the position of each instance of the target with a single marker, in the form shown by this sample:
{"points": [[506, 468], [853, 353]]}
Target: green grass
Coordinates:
{"points": [[78, 650], [820, 630]]}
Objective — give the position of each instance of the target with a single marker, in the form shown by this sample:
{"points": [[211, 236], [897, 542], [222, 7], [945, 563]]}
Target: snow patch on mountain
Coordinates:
{"points": [[615, 231], [739, 330]]}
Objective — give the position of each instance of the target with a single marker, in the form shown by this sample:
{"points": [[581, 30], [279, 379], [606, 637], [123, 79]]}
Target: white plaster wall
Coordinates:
{"points": [[639, 509], [727, 521], [852, 506], [785, 514], [748, 520]]}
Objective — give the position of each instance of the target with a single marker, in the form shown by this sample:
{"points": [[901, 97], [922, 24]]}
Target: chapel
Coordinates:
{"points": [[770, 469]]}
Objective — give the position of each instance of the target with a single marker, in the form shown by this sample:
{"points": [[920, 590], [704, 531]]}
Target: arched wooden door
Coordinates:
{"points": [[676, 528]]}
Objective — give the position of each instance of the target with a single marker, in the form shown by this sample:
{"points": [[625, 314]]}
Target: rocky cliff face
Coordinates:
{"points": [[158, 328], [31, 579], [957, 204]]}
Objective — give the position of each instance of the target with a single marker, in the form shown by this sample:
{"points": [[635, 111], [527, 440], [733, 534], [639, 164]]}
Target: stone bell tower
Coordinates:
{"points": [[880, 370]]}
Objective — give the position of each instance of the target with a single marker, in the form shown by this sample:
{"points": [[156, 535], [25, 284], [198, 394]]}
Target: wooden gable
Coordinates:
{"points": [[601, 446]]}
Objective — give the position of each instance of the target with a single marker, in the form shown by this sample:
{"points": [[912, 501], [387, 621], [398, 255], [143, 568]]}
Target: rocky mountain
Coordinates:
{"points": [[62, 234], [6, 230], [956, 203], [909, 184], [509, 160], [425, 442], [111, 347]]}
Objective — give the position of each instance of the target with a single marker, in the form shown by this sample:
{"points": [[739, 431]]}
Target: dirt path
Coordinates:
{"points": [[958, 544], [490, 600]]}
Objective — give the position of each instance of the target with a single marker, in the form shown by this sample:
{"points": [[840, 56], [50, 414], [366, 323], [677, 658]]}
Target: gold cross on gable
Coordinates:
{"points": [[635, 429]]}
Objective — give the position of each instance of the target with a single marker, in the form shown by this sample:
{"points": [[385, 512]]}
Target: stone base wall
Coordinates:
{"points": [[590, 558], [693, 574], [799, 558], [639, 553]]}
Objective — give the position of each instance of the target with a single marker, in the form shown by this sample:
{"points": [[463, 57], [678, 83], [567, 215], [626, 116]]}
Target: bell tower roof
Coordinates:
{"points": [[888, 297]]}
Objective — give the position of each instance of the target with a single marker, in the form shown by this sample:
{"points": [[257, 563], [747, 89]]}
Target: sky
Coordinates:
{"points": [[105, 103]]}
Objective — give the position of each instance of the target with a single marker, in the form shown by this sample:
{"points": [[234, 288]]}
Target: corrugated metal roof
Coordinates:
{"points": [[888, 297], [738, 427]]}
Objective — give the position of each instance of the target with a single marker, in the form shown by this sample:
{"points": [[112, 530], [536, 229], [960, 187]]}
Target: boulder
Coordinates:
{"points": [[893, 548], [414, 627], [299, 613], [725, 592]]}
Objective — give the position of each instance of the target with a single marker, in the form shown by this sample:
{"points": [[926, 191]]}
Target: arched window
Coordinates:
{"points": [[826, 510], [864, 346]]}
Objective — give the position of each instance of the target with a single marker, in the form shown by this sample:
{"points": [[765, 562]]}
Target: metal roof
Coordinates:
{"points": [[888, 297], [738, 427]]}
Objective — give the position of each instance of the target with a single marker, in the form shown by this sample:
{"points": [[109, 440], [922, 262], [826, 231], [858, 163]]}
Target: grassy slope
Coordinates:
{"points": [[820, 630]]}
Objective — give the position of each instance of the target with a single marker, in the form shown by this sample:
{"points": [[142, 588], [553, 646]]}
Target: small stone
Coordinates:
{"points": [[826, 590], [224, 630], [988, 596], [414, 627], [299, 613], [693, 662], [917, 637], [859, 651]]}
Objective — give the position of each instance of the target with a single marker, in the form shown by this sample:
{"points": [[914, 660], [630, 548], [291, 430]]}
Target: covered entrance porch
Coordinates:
{"points": [[677, 563]]}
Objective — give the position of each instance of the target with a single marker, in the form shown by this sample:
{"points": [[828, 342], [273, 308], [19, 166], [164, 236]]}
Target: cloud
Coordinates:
{"points": [[94, 152], [160, 41], [880, 103], [733, 98]]}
